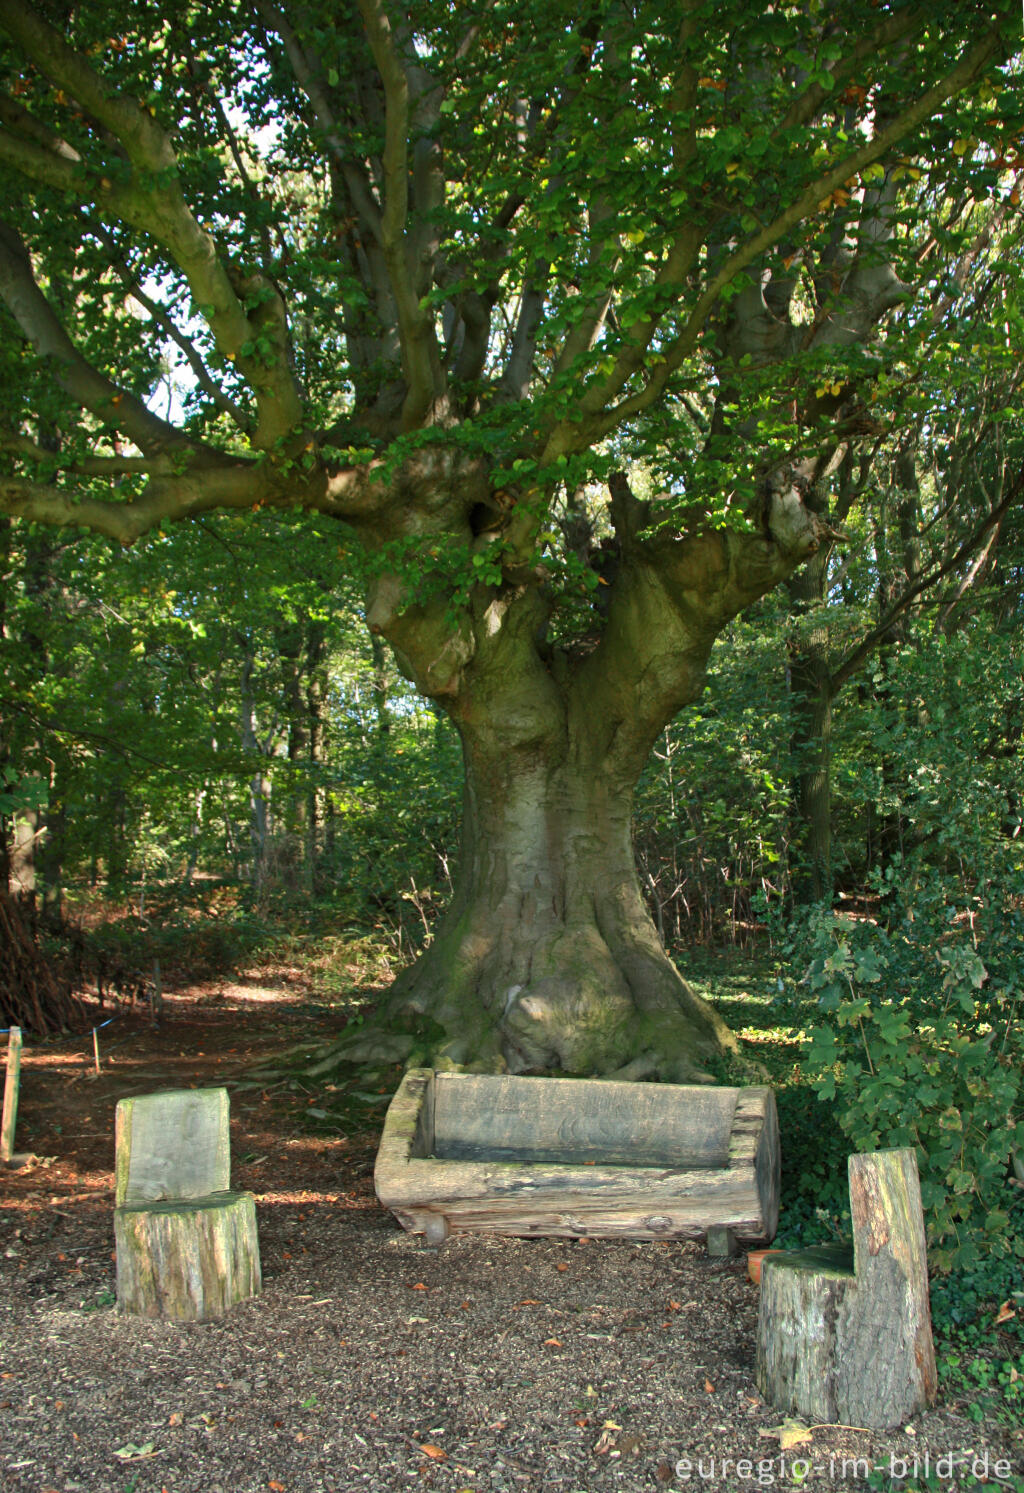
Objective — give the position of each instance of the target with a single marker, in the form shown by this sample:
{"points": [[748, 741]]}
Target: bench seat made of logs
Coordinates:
{"points": [[567, 1157]]}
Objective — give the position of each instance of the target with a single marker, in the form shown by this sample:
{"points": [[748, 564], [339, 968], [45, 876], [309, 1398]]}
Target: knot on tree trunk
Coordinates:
{"points": [[791, 524]]}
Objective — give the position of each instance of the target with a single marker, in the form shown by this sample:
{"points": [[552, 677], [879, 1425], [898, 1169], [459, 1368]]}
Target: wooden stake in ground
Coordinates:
{"points": [[187, 1248], [844, 1336], [12, 1082]]}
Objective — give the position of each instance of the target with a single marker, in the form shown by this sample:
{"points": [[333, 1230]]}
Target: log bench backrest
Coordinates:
{"points": [[495, 1118], [844, 1335], [172, 1146]]}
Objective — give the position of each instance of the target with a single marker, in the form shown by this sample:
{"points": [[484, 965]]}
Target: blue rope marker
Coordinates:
{"points": [[5, 1030], [96, 1040]]}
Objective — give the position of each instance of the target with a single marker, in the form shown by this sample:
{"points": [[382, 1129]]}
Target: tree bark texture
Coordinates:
{"points": [[187, 1261]]}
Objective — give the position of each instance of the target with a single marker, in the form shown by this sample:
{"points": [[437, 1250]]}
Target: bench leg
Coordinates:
{"points": [[435, 1229], [721, 1242]]}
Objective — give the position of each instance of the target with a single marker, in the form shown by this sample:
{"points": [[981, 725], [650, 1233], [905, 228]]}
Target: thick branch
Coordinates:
{"points": [[670, 600], [79, 379], [154, 202], [515, 381], [309, 78], [164, 498], [594, 421], [420, 355], [85, 466]]}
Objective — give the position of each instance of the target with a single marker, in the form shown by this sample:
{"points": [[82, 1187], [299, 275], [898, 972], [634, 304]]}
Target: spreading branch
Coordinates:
{"points": [[593, 418], [153, 201], [421, 362], [83, 383], [203, 490]]}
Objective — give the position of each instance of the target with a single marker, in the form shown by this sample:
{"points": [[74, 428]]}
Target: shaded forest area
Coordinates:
{"points": [[201, 768], [410, 414], [195, 714]]}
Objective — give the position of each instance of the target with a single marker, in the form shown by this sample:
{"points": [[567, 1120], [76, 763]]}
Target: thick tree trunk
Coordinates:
{"points": [[548, 958]]}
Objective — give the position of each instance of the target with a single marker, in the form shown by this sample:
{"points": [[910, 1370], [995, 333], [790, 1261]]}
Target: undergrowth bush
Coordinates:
{"points": [[918, 1043]]}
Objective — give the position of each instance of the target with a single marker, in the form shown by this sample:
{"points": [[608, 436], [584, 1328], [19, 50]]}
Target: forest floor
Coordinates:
{"points": [[370, 1361]]}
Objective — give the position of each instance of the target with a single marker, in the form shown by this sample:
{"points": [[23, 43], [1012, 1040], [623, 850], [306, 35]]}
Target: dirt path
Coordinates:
{"points": [[369, 1362]]}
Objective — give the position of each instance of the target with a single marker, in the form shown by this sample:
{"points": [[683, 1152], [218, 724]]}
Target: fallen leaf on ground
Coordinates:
{"points": [[790, 1433], [552, 1342], [419, 1286], [132, 1453], [529, 1302], [611, 1425], [429, 1450], [1005, 1312], [709, 1388]]}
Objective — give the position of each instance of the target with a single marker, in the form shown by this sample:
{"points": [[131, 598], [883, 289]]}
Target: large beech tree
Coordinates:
{"points": [[566, 313]]}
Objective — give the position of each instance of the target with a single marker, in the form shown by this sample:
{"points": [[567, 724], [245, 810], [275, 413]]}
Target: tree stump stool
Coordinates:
{"points": [[844, 1335], [187, 1247]]}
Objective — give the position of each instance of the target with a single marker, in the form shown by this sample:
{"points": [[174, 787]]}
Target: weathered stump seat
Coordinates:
{"points": [[569, 1157], [844, 1334], [187, 1247]]}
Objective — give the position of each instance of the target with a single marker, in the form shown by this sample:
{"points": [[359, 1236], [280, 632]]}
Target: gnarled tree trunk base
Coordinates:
{"points": [[582, 999], [589, 999]]}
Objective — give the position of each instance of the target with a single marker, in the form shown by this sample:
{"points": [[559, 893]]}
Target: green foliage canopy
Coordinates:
{"points": [[517, 231]]}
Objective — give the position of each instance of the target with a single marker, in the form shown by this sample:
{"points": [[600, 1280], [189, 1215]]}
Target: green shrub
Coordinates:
{"points": [[919, 1045]]}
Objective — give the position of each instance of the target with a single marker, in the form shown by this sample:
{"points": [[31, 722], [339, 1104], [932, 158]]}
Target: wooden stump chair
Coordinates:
{"points": [[186, 1246], [844, 1335]]}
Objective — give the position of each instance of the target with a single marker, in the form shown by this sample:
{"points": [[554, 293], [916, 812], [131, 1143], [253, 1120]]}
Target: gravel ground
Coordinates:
{"points": [[370, 1361]]}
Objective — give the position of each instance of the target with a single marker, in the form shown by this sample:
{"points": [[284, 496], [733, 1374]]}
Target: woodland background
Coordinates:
{"points": [[206, 757]]}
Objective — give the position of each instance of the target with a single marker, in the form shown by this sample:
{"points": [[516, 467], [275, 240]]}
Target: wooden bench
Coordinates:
{"points": [[569, 1157], [844, 1334], [187, 1247]]}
